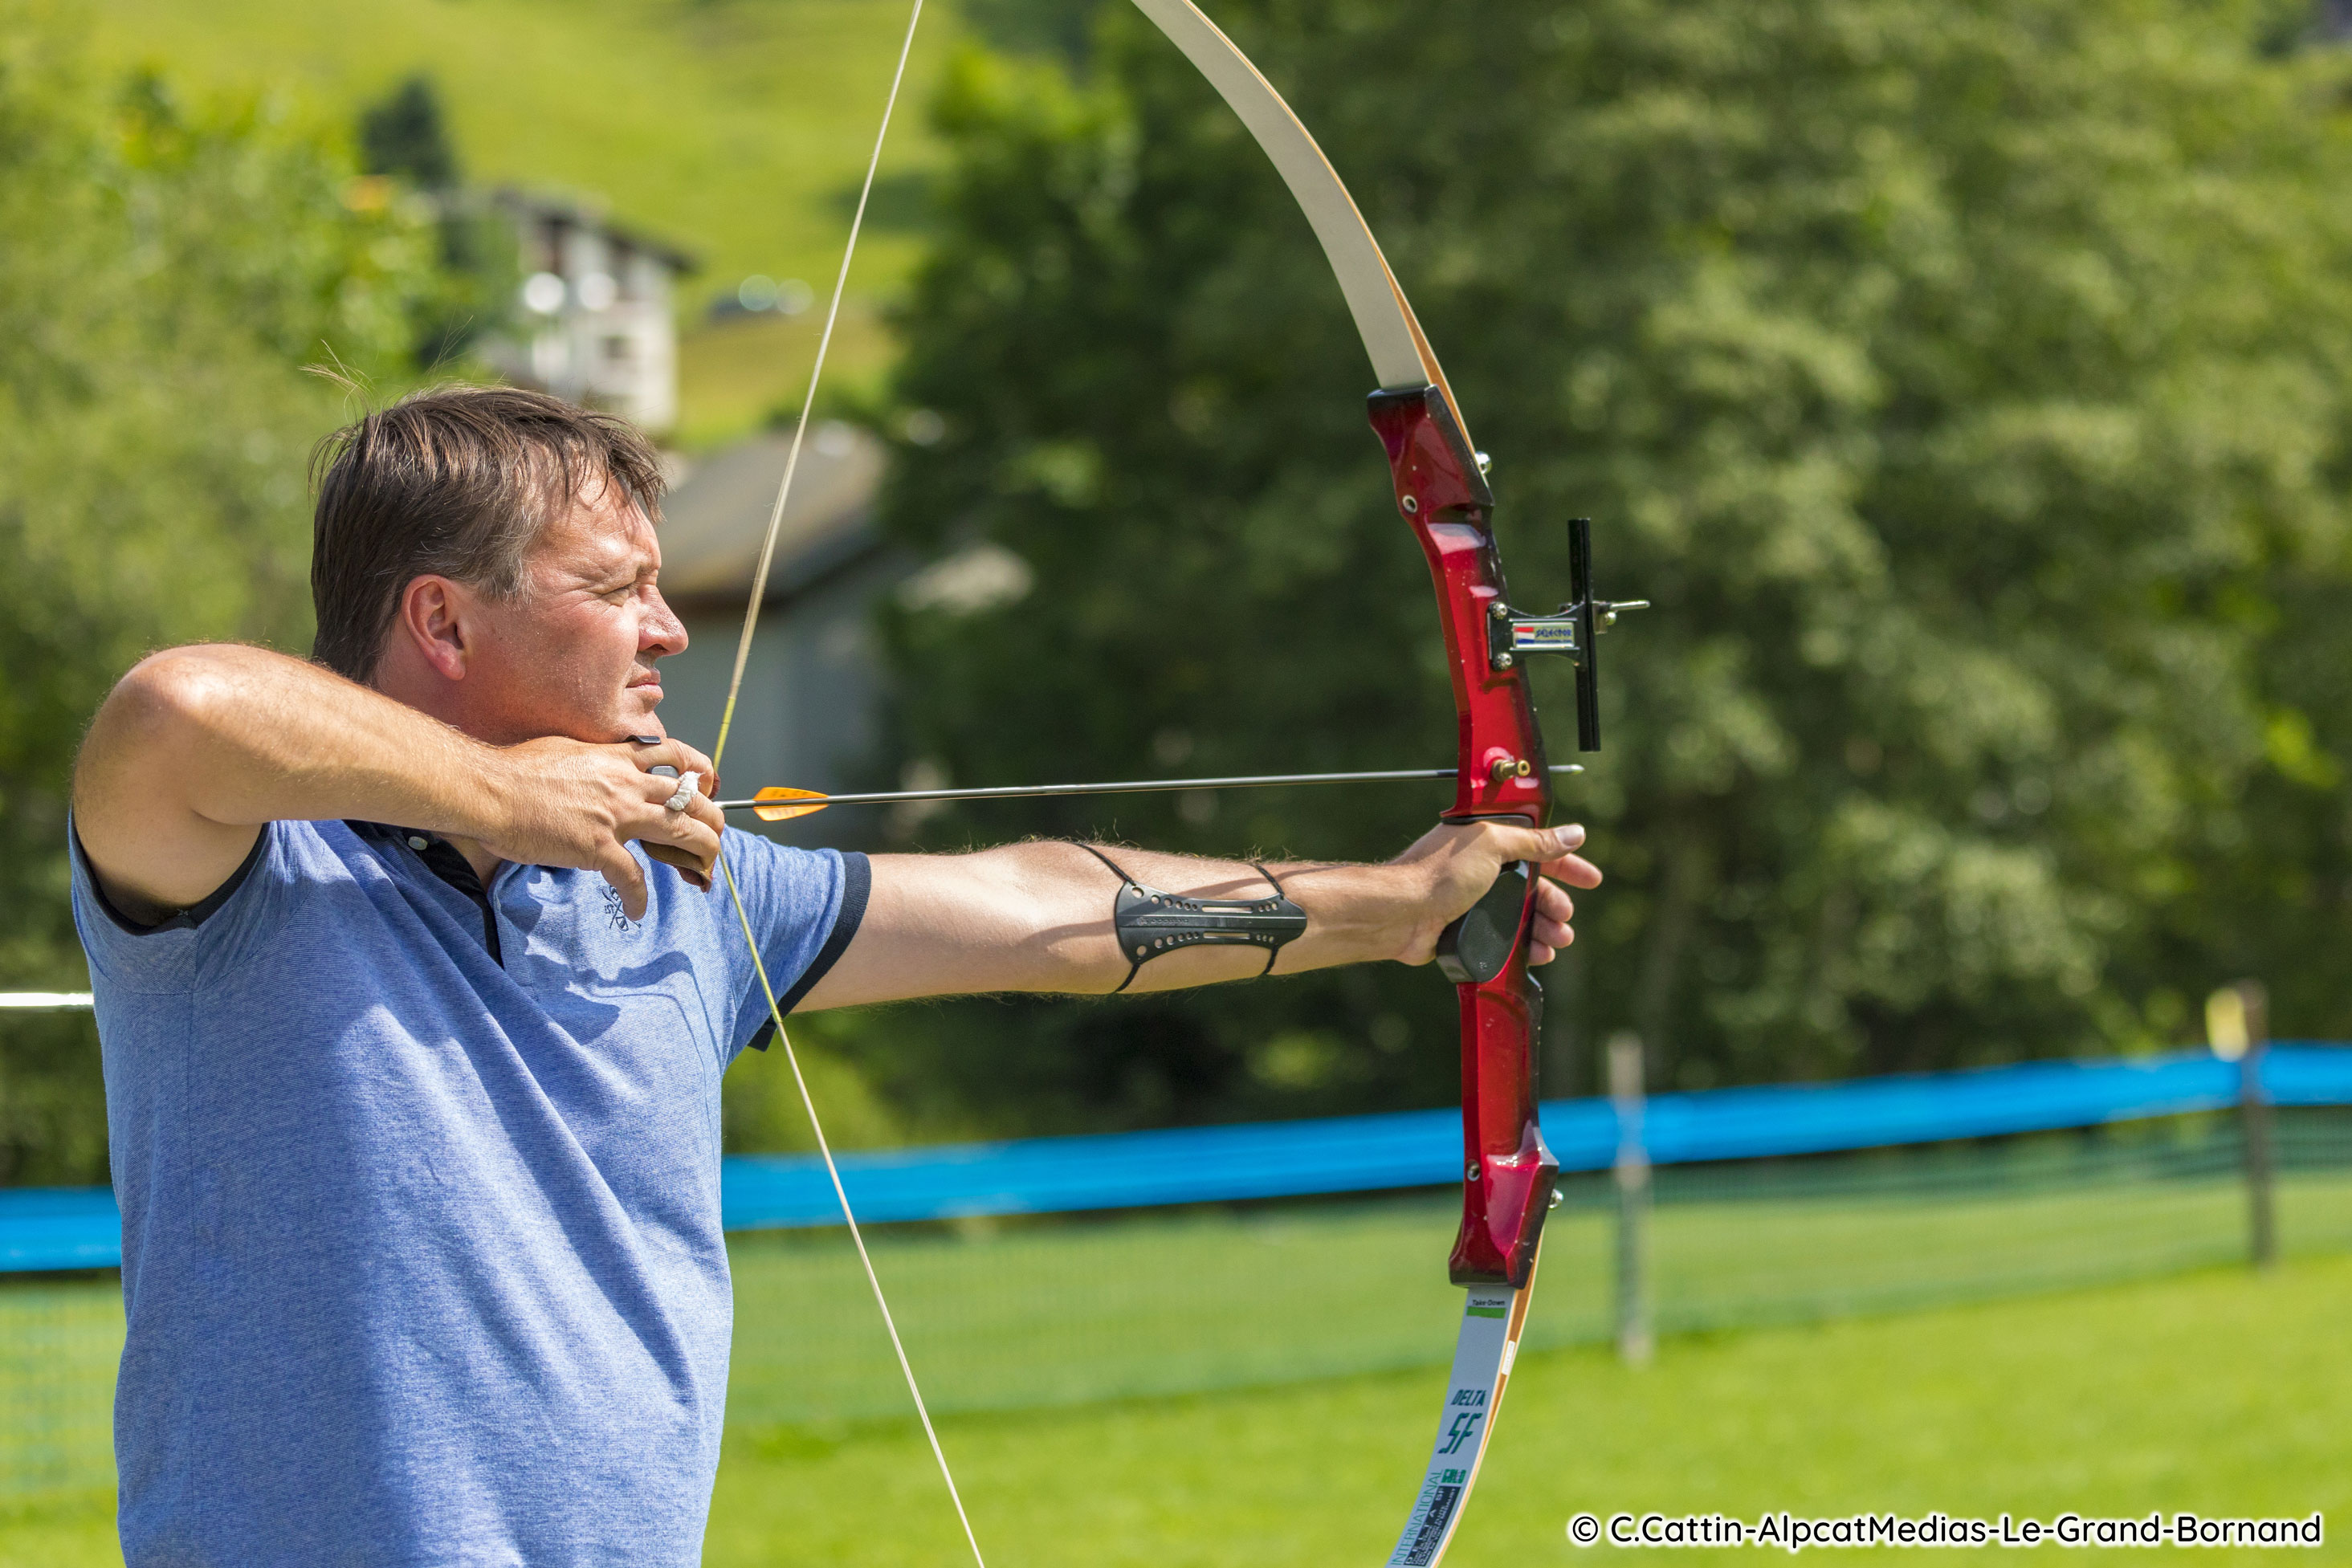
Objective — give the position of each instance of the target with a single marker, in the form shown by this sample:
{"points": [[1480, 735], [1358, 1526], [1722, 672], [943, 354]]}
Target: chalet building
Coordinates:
{"points": [[597, 324]]}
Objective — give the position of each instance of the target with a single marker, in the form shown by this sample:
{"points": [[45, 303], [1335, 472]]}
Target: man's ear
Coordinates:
{"points": [[433, 619]]}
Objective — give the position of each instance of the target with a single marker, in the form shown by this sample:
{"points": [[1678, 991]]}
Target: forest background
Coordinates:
{"points": [[1966, 389]]}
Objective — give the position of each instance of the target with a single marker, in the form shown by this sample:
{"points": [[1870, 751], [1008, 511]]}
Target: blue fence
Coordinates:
{"points": [[59, 1228], [78, 1227]]}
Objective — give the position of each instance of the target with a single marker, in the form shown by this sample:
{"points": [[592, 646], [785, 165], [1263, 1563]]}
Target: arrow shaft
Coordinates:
{"points": [[1128, 787]]}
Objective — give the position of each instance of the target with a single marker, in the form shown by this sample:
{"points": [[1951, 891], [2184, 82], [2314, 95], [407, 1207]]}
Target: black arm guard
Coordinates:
{"points": [[1149, 922]]}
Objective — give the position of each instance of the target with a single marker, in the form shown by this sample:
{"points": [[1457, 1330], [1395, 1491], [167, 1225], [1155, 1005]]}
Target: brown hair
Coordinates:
{"points": [[455, 482]]}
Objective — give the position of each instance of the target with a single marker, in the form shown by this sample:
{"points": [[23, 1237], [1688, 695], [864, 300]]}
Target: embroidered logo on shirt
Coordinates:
{"points": [[616, 913]]}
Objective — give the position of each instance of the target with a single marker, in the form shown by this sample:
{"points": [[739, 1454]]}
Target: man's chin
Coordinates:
{"points": [[625, 722], [638, 717]]}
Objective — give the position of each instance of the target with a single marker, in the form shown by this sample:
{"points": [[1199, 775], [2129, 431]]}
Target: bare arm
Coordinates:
{"points": [[197, 748], [1037, 917]]}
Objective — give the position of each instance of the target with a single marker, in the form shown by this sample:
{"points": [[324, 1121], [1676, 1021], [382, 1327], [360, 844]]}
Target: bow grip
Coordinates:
{"points": [[1478, 945]]}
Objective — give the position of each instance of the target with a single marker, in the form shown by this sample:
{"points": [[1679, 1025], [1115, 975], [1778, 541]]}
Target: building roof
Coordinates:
{"points": [[713, 522], [548, 205]]}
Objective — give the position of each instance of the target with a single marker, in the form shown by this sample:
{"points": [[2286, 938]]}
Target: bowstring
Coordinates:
{"points": [[799, 427], [719, 750], [833, 1172]]}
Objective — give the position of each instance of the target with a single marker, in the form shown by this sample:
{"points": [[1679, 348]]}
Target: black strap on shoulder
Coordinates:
{"points": [[1149, 923]]}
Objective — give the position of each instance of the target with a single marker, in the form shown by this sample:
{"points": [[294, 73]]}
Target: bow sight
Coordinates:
{"points": [[1573, 629]]}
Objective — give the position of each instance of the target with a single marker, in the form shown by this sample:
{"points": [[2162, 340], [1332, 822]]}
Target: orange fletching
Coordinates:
{"points": [[803, 803]]}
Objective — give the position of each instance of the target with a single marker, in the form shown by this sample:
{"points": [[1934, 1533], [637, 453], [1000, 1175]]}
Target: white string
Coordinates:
{"points": [[816, 371], [726, 723], [833, 1172]]}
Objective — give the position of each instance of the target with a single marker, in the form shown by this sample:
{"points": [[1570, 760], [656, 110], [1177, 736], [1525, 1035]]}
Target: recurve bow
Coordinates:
{"points": [[1442, 492], [1501, 773]]}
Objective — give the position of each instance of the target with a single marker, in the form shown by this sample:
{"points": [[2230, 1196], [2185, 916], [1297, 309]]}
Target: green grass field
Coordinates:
{"points": [[2218, 1392], [2221, 1392], [1062, 1354], [736, 128]]}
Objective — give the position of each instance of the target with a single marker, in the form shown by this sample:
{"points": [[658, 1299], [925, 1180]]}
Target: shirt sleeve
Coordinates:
{"points": [[177, 953], [807, 905]]}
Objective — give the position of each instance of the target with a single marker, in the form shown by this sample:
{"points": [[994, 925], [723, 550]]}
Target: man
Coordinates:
{"points": [[416, 999]]}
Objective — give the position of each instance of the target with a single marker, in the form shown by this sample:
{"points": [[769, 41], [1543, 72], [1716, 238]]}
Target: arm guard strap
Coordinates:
{"points": [[1149, 923]]}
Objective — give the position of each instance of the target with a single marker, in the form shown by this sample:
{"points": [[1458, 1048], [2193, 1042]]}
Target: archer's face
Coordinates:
{"points": [[574, 654]]}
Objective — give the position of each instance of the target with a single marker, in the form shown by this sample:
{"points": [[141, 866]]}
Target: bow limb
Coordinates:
{"points": [[1400, 354], [1442, 492]]}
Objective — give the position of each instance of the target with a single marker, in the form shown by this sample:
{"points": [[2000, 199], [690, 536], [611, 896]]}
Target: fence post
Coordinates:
{"points": [[2237, 1023], [1632, 1171]]}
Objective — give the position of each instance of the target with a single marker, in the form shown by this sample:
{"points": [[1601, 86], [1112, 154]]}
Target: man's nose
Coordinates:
{"points": [[661, 628]]}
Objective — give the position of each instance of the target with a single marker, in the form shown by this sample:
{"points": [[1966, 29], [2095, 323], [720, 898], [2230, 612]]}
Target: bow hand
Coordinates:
{"points": [[1459, 866]]}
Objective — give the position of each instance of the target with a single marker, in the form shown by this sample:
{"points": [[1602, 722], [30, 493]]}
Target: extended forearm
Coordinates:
{"points": [[1355, 913], [1038, 918]]}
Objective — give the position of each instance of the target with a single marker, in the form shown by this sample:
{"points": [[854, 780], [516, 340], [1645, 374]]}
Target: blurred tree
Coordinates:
{"points": [[1965, 384], [155, 417], [1058, 27], [405, 135]]}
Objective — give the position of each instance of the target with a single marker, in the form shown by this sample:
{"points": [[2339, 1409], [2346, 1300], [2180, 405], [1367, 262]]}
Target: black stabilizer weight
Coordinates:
{"points": [[1588, 639]]}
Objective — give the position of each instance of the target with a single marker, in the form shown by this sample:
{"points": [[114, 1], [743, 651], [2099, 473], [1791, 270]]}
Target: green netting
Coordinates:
{"points": [[1071, 1310], [58, 1345], [1067, 1312], [1890, 1230]]}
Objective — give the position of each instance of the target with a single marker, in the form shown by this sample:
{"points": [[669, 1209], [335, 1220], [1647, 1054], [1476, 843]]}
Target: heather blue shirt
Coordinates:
{"points": [[420, 1199]]}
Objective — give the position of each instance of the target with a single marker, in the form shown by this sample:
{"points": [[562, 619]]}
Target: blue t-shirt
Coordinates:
{"points": [[420, 1197]]}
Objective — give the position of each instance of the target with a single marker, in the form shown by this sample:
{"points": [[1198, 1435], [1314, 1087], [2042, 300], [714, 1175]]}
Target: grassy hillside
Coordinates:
{"points": [[737, 128]]}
